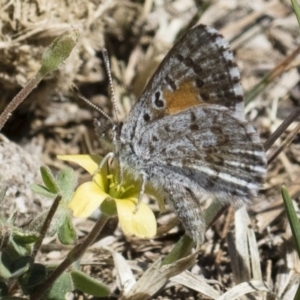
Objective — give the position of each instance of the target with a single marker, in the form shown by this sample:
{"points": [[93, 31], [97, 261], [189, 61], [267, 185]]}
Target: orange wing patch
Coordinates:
{"points": [[187, 95]]}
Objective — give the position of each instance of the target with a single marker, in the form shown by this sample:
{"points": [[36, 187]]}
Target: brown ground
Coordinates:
{"points": [[138, 34]]}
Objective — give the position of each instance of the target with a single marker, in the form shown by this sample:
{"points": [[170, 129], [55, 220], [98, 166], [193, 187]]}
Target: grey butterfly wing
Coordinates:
{"points": [[186, 204], [201, 151], [216, 152], [198, 70]]}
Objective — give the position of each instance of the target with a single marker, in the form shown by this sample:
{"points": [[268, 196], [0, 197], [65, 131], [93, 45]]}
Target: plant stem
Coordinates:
{"points": [[281, 128], [73, 255], [285, 143], [32, 83], [278, 70], [46, 225]]}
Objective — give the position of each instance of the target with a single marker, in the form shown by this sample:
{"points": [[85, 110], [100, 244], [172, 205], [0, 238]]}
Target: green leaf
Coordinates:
{"points": [[294, 223], [23, 237], [19, 249], [37, 275], [21, 265], [66, 233], [61, 287], [89, 285], [296, 10], [5, 264], [31, 279], [292, 217], [49, 180], [41, 190], [37, 223], [181, 250], [11, 267], [59, 50], [66, 181], [3, 289]]}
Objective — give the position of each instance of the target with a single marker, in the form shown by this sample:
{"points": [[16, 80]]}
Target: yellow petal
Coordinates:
{"points": [[142, 223], [89, 162], [87, 199]]}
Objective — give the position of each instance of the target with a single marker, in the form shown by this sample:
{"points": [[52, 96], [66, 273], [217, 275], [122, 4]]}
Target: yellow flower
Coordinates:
{"points": [[105, 192]]}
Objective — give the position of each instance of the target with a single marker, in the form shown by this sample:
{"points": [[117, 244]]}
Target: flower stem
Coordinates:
{"points": [[32, 83], [72, 256], [46, 224]]}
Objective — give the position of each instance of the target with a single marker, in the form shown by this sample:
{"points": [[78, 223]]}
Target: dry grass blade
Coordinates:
{"points": [[156, 277], [244, 289], [238, 249], [196, 283], [244, 250], [269, 78], [125, 277], [289, 286]]}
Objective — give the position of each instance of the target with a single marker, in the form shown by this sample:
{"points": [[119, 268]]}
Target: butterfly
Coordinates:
{"points": [[186, 136]]}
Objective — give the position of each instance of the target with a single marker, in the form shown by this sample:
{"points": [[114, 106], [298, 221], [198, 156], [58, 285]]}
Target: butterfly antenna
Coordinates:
{"points": [[80, 96], [108, 71]]}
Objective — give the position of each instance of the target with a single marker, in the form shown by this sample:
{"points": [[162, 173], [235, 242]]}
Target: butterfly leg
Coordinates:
{"points": [[121, 174], [142, 190], [103, 161]]}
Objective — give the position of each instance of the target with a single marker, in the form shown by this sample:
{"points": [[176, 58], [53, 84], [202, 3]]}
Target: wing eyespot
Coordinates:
{"points": [[154, 138], [146, 117], [158, 102], [199, 83], [194, 127], [204, 97]]}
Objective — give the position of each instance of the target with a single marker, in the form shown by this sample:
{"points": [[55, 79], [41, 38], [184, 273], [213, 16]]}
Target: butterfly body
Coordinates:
{"points": [[187, 135]]}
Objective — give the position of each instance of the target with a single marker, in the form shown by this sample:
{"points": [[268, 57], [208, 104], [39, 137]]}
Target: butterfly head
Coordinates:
{"points": [[108, 133]]}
